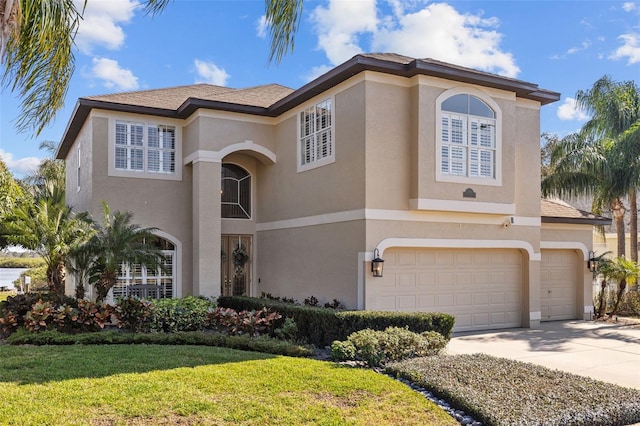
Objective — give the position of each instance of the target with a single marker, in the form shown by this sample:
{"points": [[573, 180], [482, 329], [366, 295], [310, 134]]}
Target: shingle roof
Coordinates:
{"points": [[273, 100], [173, 97], [556, 211]]}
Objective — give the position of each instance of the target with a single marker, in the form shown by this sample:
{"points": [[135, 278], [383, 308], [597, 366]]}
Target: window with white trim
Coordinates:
{"points": [[468, 138], [141, 281], [78, 180], [316, 145], [142, 147]]}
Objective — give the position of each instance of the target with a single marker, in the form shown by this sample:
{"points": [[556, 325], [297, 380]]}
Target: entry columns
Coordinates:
{"points": [[206, 227]]}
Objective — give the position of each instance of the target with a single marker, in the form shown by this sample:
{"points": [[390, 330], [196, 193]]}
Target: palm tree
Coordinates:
{"points": [[624, 271], [36, 49], [582, 166], [604, 267], [49, 228], [615, 114], [118, 243]]}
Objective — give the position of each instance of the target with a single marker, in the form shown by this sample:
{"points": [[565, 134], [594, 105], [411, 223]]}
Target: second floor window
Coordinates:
{"points": [[316, 135], [468, 138], [145, 147]]}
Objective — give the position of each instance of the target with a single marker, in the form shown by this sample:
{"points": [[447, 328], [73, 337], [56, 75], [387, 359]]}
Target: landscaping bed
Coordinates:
{"points": [[498, 391]]}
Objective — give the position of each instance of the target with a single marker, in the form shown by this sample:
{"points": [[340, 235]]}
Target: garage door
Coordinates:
{"points": [[558, 289], [480, 287]]}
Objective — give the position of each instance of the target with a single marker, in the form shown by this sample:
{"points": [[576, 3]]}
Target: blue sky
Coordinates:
{"points": [[563, 46]]}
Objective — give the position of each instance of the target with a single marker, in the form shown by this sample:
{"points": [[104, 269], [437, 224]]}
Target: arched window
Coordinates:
{"points": [[468, 138], [236, 192], [137, 280]]}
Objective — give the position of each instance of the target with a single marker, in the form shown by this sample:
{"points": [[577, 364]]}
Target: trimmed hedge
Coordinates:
{"points": [[246, 343], [321, 326]]}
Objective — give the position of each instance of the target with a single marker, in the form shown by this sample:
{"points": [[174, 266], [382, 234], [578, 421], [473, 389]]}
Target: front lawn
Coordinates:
{"points": [[150, 384]]}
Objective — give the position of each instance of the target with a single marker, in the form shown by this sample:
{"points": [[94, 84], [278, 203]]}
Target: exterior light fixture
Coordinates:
{"points": [[376, 264], [592, 263]]}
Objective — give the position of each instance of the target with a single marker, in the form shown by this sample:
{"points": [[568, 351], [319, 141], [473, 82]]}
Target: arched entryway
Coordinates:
{"points": [[238, 227]]}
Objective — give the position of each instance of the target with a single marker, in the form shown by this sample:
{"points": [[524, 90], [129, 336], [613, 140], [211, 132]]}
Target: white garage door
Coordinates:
{"points": [[558, 289], [480, 287]]}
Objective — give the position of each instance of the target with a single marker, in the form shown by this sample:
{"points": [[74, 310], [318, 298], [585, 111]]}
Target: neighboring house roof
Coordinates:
{"points": [[556, 211], [272, 100]]}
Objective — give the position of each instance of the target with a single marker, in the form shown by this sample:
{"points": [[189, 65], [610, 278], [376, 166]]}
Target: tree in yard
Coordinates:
{"points": [[624, 271], [603, 269], [614, 108], [581, 166], [119, 243], [10, 195], [49, 228], [36, 49]]}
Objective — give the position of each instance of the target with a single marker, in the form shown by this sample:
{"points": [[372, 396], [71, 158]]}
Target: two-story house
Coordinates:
{"points": [[430, 166]]}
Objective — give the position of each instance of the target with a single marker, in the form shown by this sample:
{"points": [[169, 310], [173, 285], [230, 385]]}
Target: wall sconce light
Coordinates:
{"points": [[376, 264], [592, 263]]}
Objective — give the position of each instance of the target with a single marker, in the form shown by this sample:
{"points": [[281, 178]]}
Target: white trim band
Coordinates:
{"points": [[461, 206]]}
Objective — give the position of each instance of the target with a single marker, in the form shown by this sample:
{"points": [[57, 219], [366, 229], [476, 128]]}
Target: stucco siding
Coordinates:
{"points": [[320, 261]]}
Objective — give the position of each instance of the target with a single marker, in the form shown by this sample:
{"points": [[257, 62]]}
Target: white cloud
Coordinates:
{"points": [[19, 166], [112, 75], [339, 24], [629, 6], [210, 73], [101, 21], [437, 31], [569, 111], [630, 49], [584, 46], [262, 27]]}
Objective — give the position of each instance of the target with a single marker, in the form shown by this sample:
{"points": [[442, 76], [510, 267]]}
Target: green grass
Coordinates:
{"points": [[150, 384], [5, 294]]}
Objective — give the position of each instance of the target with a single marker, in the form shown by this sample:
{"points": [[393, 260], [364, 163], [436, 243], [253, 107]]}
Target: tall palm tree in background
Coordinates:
{"points": [[598, 161], [36, 49], [581, 166], [614, 108]]}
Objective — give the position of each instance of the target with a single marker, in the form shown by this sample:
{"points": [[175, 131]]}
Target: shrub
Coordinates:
{"points": [[418, 322], [630, 304], [14, 309], [288, 330], [343, 350], [393, 344], [252, 323], [321, 326], [311, 301], [185, 314], [247, 343], [93, 316], [39, 316], [134, 314], [318, 326]]}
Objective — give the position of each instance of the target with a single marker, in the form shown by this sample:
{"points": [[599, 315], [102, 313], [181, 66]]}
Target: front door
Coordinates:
{"points": [[235, 265]]}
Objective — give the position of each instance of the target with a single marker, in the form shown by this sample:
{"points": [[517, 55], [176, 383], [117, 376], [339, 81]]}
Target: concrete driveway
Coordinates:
{"points": [[602, 351]]}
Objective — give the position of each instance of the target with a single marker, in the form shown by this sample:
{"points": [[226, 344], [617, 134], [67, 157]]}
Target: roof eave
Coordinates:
{"points": [[603, 221]]}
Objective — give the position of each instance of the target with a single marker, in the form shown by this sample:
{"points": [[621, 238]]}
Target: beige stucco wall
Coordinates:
{"points": [[320, 261]]}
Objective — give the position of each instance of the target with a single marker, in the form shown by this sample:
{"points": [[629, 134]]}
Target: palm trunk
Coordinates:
{"points": [[602, 307], [622, 285], [618, 217], [106, 281], [633, 225]]}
